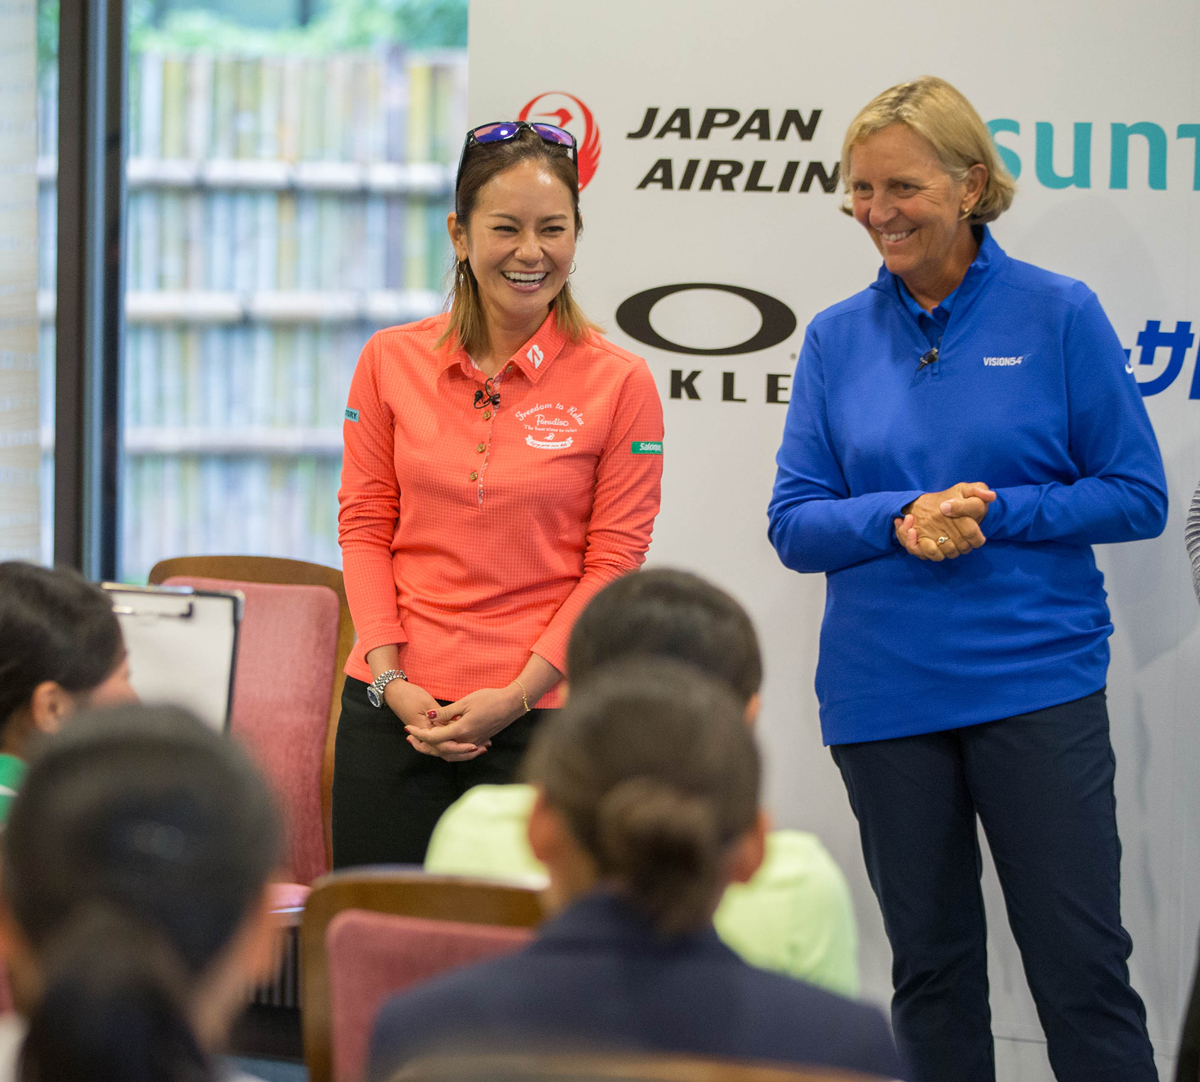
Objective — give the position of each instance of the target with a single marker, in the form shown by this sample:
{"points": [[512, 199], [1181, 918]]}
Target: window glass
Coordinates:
{"points": [[28, 44], [290, 170]]}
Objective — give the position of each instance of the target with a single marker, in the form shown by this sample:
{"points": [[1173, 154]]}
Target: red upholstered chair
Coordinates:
{"points": [[282, 680], [6, 999], [272, 569], [399, 891], [372, 956]]}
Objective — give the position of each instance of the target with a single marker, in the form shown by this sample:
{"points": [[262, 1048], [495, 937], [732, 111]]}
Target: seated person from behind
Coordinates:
{"points": [[134, 910], [646, 810], [795, 916], [60, 650]]}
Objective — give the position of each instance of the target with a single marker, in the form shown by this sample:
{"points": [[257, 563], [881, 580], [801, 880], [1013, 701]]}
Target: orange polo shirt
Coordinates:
{"points": [[473, 537]]}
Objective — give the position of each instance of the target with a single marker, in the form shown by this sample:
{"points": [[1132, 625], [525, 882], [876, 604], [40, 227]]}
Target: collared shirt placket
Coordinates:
{"points": [[484, 446]]}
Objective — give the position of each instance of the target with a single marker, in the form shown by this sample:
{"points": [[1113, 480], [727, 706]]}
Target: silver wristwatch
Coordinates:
{"points": [[376, 686]]}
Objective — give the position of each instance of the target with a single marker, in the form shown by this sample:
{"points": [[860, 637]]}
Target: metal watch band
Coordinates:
{"points": [[376, 686]]}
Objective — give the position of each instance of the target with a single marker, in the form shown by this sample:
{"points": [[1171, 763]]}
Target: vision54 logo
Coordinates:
{"points": [[567, 111]]}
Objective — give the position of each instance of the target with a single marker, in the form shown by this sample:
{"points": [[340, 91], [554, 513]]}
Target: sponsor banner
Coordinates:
{"points": [[710, 140]]}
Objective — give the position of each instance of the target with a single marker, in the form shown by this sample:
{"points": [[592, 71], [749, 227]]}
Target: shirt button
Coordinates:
{"points": [[473, 476], [509, 368], [487, 415], [481, 448]]}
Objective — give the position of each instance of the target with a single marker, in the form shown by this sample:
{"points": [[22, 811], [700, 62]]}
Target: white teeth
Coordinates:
{"points": [[517, 276], [891, 238]]}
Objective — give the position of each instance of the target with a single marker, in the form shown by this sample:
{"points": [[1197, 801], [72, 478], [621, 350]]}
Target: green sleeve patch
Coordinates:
{"points": [[646, 447]]}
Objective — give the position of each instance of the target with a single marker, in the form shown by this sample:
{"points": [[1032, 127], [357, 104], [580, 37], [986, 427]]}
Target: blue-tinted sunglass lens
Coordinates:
{"points": [[494, 133], [553, 134]]}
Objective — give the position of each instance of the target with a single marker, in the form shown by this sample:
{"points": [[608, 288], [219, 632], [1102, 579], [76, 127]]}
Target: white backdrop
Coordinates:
{"points": [[1044, 69]]}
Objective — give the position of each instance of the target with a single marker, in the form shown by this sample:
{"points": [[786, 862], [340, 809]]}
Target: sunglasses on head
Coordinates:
{"points": [[503, 131]]}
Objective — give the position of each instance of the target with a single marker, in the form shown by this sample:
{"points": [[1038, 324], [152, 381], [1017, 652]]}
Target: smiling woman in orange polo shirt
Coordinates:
{"points": [[502, 464]]}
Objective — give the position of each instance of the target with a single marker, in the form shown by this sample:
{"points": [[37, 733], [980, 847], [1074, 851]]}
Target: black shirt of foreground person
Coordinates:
{"points": [[598, 977]]}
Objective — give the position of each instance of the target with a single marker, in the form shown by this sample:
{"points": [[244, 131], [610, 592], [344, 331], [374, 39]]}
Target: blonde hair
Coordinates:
{"points": [[938, 112], [468, 324]]}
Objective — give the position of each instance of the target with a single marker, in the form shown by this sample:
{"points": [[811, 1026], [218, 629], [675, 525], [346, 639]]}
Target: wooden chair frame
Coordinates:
{"points": [[620, 1067], [272, 569], [404, 891]]}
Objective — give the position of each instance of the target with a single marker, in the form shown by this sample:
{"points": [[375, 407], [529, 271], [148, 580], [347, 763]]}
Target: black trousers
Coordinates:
{"points": [[1041, 784], [387, 796]]}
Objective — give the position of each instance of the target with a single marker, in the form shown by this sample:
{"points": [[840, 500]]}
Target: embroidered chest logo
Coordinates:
{"points": [[550, 426], [535, 355]]}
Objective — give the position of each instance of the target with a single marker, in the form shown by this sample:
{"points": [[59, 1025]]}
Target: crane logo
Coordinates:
{"points": [[567, 111]]}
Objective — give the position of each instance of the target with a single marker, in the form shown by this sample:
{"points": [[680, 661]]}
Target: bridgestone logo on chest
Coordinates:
{"points": [[1002, 362]]}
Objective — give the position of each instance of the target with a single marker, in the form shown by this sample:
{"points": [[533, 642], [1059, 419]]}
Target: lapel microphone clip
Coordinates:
{"points": [[489, 396], [928, 357]]}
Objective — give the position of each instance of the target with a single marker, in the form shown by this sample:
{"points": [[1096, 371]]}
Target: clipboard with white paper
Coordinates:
{"points": [[182, 645]]}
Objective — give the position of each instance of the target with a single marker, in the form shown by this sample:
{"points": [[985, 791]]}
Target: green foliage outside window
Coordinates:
{"points": [[345, 24]]}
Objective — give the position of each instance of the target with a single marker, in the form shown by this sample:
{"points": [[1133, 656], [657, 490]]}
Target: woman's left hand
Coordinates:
{"points": [[473, 719]]}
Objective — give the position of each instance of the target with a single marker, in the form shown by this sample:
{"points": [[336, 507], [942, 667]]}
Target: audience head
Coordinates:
{"points": [[135, 867], [648, 785], [60, 650], [673, 614]]}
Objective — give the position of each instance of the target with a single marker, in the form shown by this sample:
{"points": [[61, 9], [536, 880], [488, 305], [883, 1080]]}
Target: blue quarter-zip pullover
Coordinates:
{"points": [[1031, 394]]}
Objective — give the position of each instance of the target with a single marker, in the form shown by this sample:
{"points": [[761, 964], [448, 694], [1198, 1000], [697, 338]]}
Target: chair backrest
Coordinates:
{"points": [[402, 891], [373, 956], [296, 572], [619, 1067], [283, 674]]}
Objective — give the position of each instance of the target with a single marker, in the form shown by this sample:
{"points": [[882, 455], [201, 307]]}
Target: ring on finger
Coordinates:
{"points": [[942, 540]]}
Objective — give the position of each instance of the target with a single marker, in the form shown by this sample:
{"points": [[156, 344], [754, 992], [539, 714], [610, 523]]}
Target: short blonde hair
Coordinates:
{"points": [[938, 112]]}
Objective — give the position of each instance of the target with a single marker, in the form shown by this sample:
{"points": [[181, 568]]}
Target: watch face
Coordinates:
{"points": [[375, 698]]}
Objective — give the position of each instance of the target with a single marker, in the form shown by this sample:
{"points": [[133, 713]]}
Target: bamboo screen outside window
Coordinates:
{"points": [[20, 503]]}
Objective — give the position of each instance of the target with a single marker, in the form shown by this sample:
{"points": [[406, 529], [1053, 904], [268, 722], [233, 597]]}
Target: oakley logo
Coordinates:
{"points": [[567, 111], [778, 320]]}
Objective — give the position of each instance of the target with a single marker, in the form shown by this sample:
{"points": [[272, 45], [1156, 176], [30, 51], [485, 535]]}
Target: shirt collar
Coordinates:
{"points": [[941, 310], [533, 358], [605, 917]]}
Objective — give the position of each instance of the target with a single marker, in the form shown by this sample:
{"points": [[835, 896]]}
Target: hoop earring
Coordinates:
{"points": [[572, 270]]}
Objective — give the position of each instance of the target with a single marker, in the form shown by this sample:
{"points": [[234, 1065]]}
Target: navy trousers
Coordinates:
{"points": [[1041, 785]]}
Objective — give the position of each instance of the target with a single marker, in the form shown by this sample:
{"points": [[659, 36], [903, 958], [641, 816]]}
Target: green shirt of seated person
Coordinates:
{"points": [[61, 650], [795, 915]]}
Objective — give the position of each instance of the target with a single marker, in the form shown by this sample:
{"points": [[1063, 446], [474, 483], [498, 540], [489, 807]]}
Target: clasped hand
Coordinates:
{"points": [[460, 731], [953, 515]]}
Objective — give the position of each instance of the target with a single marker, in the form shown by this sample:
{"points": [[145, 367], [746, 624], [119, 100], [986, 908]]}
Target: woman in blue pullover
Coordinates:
{"points": [[959, 436]]}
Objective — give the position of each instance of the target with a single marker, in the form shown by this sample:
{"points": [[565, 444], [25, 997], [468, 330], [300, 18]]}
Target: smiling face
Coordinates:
{"points": [[520, 242], [913, 209]]}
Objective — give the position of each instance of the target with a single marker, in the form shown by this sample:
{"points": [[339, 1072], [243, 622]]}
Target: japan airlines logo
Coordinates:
{"points": [[567, 111]]}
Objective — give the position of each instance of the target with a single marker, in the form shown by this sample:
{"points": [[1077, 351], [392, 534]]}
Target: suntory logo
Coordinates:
{"points": [[567, 111]]}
